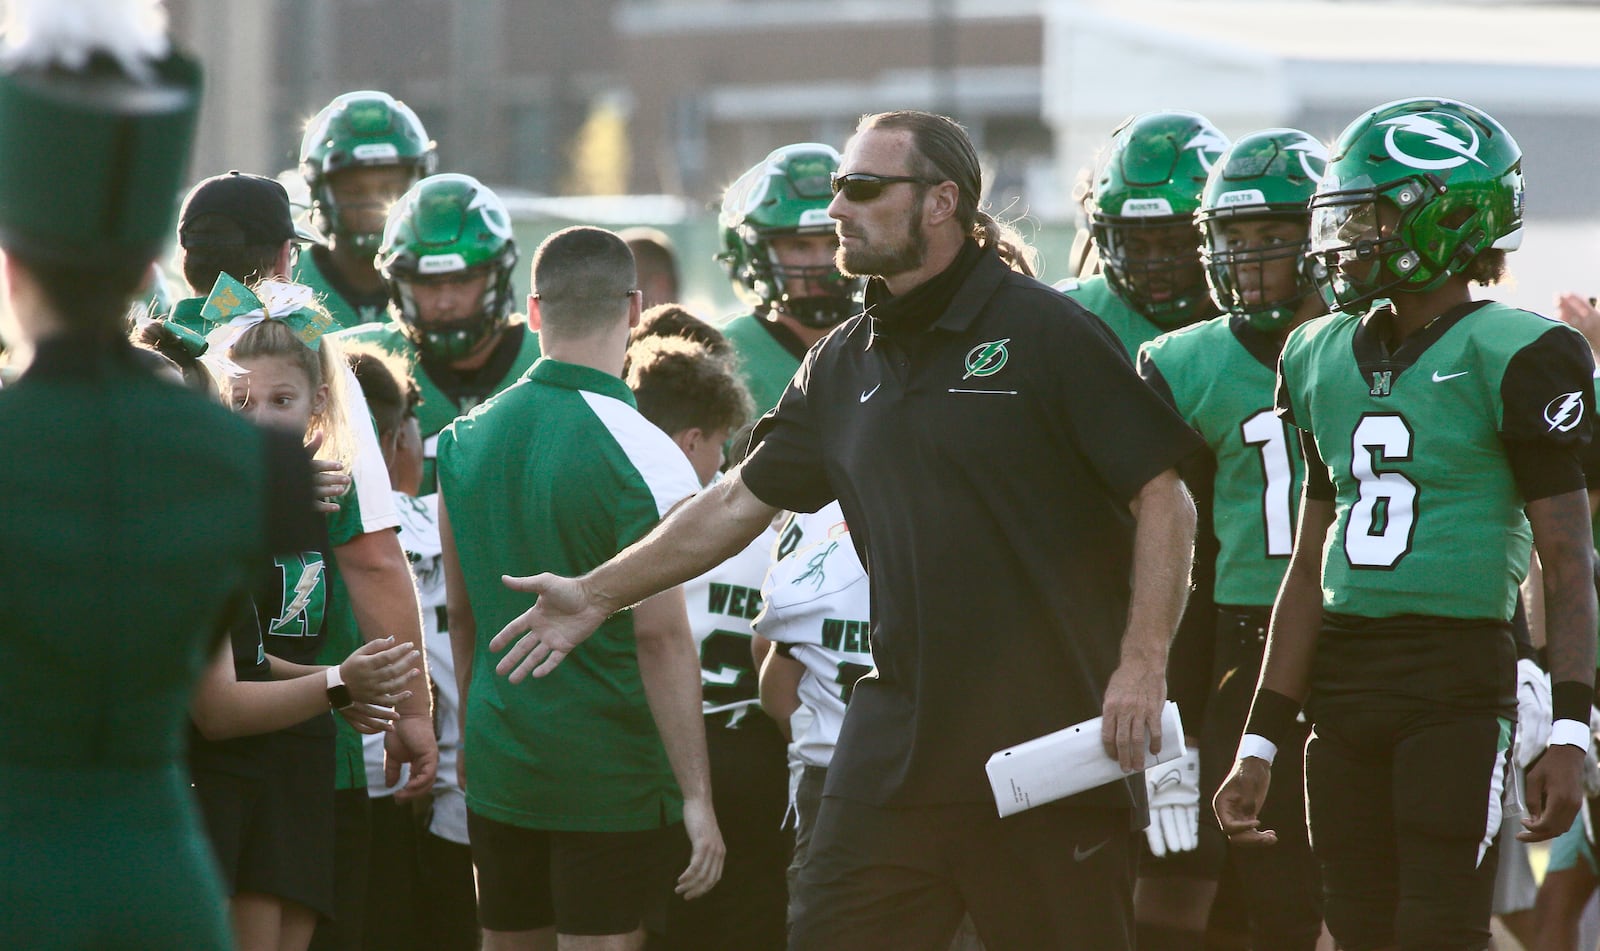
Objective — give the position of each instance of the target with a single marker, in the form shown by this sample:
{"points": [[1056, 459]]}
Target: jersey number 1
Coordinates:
{"points": [[1381, 523], [1270, 433]]}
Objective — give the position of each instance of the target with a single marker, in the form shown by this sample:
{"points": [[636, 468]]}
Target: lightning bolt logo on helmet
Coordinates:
{"points": [[1309, 150], [986, 359], [1208, 146], [1564, 412], [1452, 141]]}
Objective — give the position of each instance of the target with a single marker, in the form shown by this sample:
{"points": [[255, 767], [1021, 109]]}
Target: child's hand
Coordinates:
{"points": [[329, 480], [378, 671], [367, 718]]}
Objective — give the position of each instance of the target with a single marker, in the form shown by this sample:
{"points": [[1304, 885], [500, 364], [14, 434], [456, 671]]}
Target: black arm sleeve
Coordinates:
{"points": [[1318, 485], [292, 520], [1547, 411]]}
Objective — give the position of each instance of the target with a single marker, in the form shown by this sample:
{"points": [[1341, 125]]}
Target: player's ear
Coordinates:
{"points": [[689, 439]]}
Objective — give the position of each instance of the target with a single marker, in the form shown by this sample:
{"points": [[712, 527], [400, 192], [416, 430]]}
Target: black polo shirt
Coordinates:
{"points": [[984, 454]]}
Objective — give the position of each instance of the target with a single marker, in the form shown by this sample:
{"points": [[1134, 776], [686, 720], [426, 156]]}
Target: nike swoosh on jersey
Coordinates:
{"points": [[1079, 853], [867, 395], [1437, 378]]}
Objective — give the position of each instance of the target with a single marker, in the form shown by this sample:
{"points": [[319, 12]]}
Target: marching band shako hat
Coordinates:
{"points": [[94, 143]]}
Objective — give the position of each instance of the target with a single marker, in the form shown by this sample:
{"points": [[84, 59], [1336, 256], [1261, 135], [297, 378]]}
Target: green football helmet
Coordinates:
{"points": [[448, 227], [1416, 189], [787, 194], [359, 130], [1146, 190], [1268, 175]]}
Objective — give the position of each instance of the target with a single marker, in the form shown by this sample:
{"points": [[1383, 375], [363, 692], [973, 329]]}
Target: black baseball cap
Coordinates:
{"points": [[258, 206]]}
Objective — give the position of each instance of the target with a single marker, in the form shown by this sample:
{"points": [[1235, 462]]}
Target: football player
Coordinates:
{"points": [[695, 396], [816, 614], [1255, 222], [1441, 435], [359, 154], [778, 246], [1145, 191], [446, 259]]}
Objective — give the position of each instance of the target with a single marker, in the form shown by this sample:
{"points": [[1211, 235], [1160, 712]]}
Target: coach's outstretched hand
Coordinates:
{"points": [[563, 617], [705, 840], [1238, 803]]}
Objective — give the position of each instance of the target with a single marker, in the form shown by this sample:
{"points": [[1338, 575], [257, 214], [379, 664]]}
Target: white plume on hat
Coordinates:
{"points": [[40, 33]]}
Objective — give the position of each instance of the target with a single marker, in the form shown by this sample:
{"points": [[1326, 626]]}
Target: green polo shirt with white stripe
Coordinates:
{"points": [[558, 473]]}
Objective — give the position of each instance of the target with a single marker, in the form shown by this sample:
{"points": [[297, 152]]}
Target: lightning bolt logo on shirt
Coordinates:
{"points": [[986, 359], [305, 597], [1453, 141], [1564, 412]]}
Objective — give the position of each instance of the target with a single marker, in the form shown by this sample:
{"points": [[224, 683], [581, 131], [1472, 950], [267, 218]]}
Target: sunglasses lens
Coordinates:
{"points": [[856, 189]]}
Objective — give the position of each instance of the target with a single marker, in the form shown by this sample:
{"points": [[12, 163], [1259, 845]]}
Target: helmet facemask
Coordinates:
{"points": [[1143, 263], [450, 340], [817, 311], [1235, 268]]}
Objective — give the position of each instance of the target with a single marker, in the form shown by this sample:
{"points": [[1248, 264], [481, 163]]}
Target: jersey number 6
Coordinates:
{"points": [[1384, 516]]}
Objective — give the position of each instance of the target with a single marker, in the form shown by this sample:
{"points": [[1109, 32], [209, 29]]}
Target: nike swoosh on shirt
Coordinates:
{"points": [[868, 394], [1079, 853], [1448, 376]]}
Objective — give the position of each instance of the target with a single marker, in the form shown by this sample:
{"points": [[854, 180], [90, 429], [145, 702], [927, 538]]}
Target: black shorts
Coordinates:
{"points": [[750, 784], [273, 834], [1407, 803], [584, 883], [1281, 886], [1054, 877]]}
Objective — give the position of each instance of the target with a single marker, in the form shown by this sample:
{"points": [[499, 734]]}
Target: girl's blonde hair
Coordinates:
{"points": [[324, 365]]}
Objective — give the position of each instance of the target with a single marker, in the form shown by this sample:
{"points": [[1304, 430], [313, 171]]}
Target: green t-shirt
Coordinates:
{"points": [[1096, 296], [558, 473], [1221, 375], [766, 364], [1428, 517], [437, 410], [348, 308]]}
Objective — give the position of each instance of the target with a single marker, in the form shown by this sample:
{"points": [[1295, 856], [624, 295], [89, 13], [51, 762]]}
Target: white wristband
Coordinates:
{"points": [[1258, 746], [1570, 733]]}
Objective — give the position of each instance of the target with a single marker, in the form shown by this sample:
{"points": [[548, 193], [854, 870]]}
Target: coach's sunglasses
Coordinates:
{"points": [[864, 186]]}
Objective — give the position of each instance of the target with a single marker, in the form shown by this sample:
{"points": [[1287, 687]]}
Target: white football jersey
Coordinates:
{"points": [[419, 537], [722, 603], [819, 609]]}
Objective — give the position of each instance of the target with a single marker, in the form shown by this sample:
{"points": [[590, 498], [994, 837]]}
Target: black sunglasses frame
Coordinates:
{"points": [[864, 186]]}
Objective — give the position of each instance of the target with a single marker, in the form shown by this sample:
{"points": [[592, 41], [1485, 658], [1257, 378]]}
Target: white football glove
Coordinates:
{"points": [[1174, 789], [1533, 712]]}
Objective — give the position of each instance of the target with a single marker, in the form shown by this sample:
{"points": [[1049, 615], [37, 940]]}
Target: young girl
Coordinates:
{"points": [[268, 800]]}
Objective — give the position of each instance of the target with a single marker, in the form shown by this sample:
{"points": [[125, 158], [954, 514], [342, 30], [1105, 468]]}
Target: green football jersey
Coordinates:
{"points": [[1428, 517], [1096, 296], [437, 410], [558, 473], [1221, 376], [766, 365], [348, 308]]}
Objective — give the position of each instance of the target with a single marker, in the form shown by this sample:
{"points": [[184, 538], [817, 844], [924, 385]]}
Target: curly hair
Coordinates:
{"points": [[680, 384]]}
